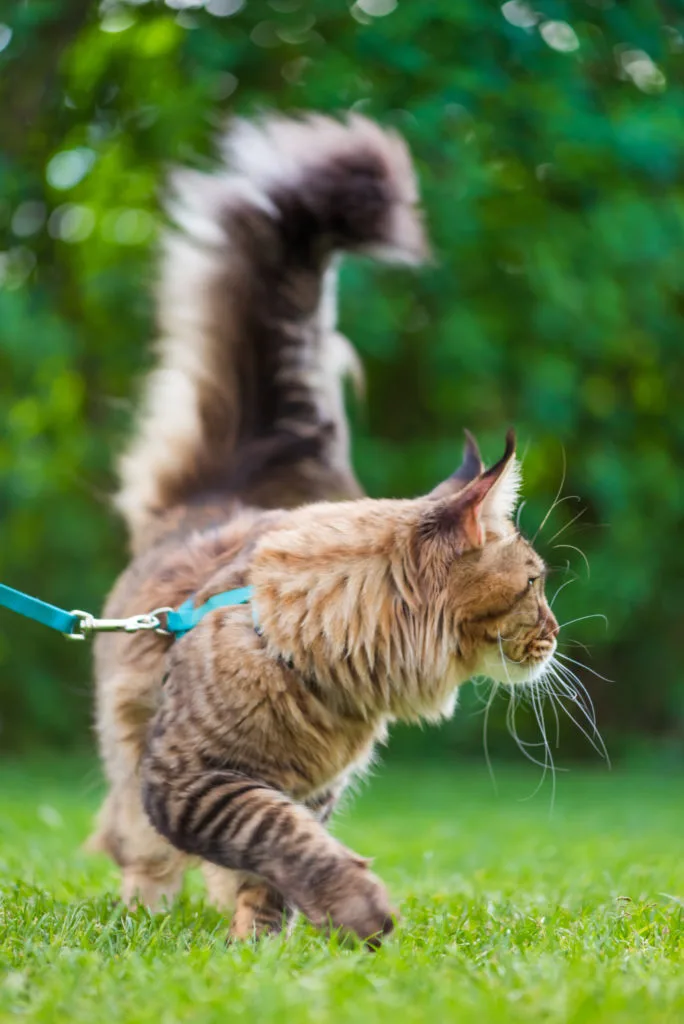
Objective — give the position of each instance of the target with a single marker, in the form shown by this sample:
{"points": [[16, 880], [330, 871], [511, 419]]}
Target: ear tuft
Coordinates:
{"points": [[503, 497], [459, 520]]}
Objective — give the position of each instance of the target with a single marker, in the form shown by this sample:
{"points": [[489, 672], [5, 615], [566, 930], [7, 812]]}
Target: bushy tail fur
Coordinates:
{"points": [[246, 399]]}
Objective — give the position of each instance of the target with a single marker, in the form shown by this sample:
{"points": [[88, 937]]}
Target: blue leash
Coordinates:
{"points": [[31, 608], [76, 625]]}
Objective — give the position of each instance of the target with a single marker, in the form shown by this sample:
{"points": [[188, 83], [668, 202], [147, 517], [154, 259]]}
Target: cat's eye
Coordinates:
{"points": [[532, 580]]}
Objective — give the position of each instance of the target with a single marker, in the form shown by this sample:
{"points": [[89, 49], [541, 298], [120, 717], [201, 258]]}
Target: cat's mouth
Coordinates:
{"points": [[518, 663]]}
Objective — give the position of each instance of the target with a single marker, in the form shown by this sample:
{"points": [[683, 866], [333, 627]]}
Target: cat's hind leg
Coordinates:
{"points": [[260, 909], [222, 886], [257, 907], [151, 868]]}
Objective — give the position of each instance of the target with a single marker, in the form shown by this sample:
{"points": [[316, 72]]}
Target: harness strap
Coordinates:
{"points": [[186, 617]]}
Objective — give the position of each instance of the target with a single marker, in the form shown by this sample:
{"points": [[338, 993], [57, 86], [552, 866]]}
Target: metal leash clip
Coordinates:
{"points": [[135, 623]]}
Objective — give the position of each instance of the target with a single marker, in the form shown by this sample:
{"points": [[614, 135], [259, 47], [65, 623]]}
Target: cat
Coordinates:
{"points": [[230, 746]]}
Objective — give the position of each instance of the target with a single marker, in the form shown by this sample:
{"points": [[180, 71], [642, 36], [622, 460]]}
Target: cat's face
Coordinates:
{"points": [[489, 579], [506, 627]]}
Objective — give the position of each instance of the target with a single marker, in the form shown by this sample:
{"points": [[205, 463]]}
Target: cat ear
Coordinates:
{"points": [[471, 467], [504, 493], [462, 519]]}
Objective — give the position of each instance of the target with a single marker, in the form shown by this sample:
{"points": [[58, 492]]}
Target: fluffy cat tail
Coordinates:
{"points": [[246, 399]]}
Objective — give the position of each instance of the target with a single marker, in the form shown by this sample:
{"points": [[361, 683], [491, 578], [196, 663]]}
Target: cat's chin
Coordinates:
{"points": [[512, 673]]}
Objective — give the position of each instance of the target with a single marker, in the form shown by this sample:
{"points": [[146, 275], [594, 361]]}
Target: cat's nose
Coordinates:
{"points": [[550, 621]]}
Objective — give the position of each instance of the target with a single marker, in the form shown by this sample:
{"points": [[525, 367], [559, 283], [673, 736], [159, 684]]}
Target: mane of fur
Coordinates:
{"points": [[350, 609], [249, 364]]}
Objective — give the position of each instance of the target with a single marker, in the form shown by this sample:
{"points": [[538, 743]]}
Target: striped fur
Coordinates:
{"points": [[232, 746]]}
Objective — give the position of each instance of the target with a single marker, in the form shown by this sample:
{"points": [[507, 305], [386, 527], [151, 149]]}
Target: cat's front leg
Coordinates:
{"points": [[237, 821]]}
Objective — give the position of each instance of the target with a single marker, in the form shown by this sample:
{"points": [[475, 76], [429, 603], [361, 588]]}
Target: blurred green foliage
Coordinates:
{"points": [[549, 144]]}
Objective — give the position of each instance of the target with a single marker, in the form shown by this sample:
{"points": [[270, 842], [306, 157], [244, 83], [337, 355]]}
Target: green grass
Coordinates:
{"points": [[508, 914]]}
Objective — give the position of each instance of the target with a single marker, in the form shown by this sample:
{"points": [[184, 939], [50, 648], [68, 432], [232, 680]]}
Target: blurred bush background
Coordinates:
{"points": [[549, 141]]}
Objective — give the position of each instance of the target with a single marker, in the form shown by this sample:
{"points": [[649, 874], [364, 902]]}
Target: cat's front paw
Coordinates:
{"points": [[361, 906]]}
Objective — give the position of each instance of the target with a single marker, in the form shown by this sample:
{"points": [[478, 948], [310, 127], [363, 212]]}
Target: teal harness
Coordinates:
{"points": [[187, 616], [77, 625]]}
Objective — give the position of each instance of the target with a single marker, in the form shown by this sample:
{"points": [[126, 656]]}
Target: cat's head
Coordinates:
{"points": [[483, 574]]}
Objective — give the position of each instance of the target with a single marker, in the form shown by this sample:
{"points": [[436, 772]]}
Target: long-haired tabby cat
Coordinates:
{"points": [[232, 744]]}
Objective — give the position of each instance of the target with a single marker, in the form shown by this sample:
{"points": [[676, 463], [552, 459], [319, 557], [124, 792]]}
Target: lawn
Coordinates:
{"points": [[508, 913]]}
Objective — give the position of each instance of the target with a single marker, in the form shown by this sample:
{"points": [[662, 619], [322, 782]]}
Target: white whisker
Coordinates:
{"points": [[567, 525], [596, 740], [483, 700], [579, 551], [566, 657], [578, 643], [577, 692], [597, 744], [581, 699], [549, 693], [588, 711], [583, 618], [485, 741], [548, 756], [557, 500], [518, 514], [522, 745], [503, 660], [562, 587], [547, 765], [585, 696]]}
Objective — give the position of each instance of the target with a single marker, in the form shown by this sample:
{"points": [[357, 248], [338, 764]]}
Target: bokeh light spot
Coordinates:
{"points": [[71, 223], [15, 267], [116, 20], [129, 226], [224, 86], [519, 14], [358, 15], [376, 8], [67, 168], [559, 36], [224, 8], [265, 34], [644, 72], [28, 218]]}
